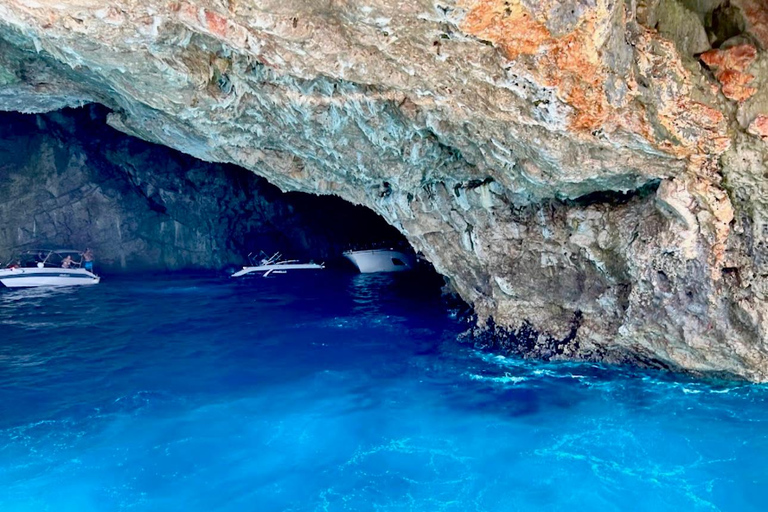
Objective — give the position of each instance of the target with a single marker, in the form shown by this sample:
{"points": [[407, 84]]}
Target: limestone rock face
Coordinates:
{"points": [[571, 167]]}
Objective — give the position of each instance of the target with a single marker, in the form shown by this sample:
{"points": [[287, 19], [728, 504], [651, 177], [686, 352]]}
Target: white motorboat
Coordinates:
{"points": [[381, 260], [48, 268], [274, 265]]}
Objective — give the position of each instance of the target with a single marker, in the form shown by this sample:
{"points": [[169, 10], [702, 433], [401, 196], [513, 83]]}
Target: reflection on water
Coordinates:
{"points": [[340, 392], [12, 295]]}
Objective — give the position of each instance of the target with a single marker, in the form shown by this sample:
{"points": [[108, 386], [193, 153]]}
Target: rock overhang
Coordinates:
{"points": [[513, 142]]}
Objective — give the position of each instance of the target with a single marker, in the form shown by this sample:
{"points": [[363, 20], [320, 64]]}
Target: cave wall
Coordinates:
{"points": [[591, 172], [69, 180]]}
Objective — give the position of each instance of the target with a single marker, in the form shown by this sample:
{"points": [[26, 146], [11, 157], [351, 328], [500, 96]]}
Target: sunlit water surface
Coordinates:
{"points": [[340, 392]]}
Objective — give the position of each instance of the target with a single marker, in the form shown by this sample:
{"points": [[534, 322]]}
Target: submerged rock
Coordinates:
{"points": [[551, 158]]}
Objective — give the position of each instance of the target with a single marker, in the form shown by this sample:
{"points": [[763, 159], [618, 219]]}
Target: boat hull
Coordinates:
{"points": [[277, 268], [381, 260], [33, 277]]}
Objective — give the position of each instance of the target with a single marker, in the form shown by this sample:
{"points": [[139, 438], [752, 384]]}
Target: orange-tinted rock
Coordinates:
{"points": [[573, 64], [211, 22], [569, 63], [737, 58], [759, 126], [729, 66], [756, 15], [697, 131], [216, 23]]}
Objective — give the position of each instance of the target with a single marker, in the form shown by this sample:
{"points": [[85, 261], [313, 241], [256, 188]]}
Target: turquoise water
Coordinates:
{"points": [[333, 392]]}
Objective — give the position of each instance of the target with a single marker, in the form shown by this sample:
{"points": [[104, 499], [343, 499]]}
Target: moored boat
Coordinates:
{"points": [[381, 260], [47, 267], [274, 265]]}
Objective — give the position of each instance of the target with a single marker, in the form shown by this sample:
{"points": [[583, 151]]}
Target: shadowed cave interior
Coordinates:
{"points": [[67, 179]]}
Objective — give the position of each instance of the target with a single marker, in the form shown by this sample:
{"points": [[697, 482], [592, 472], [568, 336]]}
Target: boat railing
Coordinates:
{"points": [[391, 245], [46, 259], [272, 260], [263, 259], [284, 262]]}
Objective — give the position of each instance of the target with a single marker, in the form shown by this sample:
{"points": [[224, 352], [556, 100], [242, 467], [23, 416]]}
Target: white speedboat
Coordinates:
{"points": [[381, 260], [274, 265], [47, 268]]}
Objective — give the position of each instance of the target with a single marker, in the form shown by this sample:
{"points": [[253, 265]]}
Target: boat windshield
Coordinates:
{"points": [[49, 258]]}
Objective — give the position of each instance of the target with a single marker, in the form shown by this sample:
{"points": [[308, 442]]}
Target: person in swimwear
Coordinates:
{"points": [[88, 260]]}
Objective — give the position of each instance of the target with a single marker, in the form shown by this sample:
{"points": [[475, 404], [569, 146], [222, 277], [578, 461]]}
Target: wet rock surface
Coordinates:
{"points": [[550, 158]]}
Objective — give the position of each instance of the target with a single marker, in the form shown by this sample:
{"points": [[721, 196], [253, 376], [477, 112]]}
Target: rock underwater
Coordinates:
{"points": [[589, 175]]}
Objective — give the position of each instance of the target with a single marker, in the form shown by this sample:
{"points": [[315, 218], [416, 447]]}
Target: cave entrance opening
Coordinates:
{"points": [[69, 179]]}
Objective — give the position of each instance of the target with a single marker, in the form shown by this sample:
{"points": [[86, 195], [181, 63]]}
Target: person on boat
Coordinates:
{"points": [[66, 262], [88, 260]]}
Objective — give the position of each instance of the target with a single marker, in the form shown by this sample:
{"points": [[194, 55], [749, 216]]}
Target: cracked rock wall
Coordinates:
{"points": [[589, 171]]}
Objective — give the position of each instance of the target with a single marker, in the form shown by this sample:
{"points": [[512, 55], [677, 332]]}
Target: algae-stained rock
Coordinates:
{"points": [[556, 160]]}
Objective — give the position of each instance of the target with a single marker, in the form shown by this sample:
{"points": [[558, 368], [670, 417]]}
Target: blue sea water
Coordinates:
{"points": [[340, 392]]}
